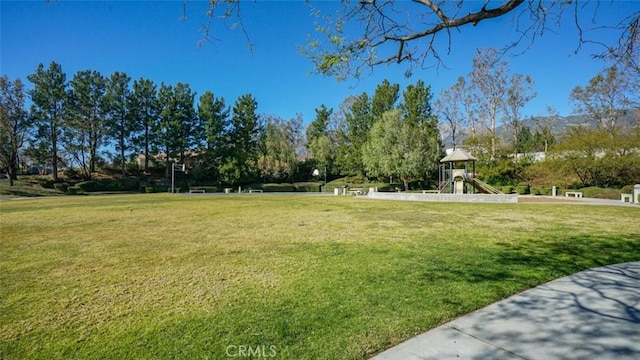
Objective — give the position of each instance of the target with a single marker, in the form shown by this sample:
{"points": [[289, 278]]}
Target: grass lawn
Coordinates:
{"points": [[299, 277]]}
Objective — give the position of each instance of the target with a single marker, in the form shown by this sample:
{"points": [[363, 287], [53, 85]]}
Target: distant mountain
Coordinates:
{"points": [[557, 124]]}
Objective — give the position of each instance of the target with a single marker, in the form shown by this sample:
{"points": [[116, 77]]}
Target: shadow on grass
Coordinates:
{"points": [[593, 314], [565, 255]]}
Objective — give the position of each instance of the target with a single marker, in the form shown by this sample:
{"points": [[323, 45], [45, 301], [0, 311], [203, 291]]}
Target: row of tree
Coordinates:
{"points": [[387, 134], [76, 119]]}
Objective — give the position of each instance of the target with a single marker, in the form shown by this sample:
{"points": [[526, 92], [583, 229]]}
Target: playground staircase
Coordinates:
{"points": [[482, 186]]}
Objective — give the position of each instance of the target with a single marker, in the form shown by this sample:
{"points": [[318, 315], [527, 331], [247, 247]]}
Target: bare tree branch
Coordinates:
{"points": [[367, 33]]}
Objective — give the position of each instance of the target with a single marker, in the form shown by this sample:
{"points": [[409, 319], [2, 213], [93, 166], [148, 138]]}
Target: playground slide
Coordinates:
{"points": [[483, 187]]}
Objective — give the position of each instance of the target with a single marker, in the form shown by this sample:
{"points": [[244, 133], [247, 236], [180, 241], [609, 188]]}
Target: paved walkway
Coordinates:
{"points": [[573, 201], [594, 314]]}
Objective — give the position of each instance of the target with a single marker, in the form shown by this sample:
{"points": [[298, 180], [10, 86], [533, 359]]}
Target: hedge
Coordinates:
{"points": [[601, 193], [276, 188], [523, 189], [308, 186], [73, 190], [109, 185], [63, 186]]}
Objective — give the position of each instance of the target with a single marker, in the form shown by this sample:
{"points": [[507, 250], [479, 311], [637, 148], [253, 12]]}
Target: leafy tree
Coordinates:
{"points": [[277, 159], [50, 99], [244, 135], [384, 98], [145, 111], [604, 97], [599, 157], [353, 134], [121, 122], [320, 139], [397, 147], [189, 129], [543, 138], [86, 128], [213, 116], [524, 141], [417, 111], [177, 129], [320, 125], [15, 125], [416, 107]]}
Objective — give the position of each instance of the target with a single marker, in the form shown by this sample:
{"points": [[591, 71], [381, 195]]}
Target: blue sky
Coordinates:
{"points": [[148, 39]]}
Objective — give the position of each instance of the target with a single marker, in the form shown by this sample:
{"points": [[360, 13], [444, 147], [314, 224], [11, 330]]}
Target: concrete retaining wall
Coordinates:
{"points": [[485, 198]]}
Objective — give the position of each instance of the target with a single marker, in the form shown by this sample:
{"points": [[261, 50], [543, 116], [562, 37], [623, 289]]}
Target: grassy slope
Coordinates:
{"points": [[161, 276]]}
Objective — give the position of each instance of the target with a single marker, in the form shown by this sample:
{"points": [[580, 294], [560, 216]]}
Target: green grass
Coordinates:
{"points": [[307, 277], [26, 187]]}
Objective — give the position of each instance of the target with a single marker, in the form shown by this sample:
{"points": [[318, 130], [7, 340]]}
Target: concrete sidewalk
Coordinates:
{"points": [[594, 314]]}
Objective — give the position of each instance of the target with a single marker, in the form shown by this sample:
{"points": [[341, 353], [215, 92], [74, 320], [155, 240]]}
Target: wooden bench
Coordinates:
{"points": [[199, 191], [429, 191], [577, 194], [356, 191], [626, 198], [251, 191]]}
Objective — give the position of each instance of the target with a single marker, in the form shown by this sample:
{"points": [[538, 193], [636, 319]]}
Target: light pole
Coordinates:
{"points": [[316, 172], [181, 167], [325, 177]]}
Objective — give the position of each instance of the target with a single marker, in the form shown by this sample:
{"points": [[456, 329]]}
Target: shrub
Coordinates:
{"points": [[507, 189], [161, 188], [627, 189], [149, 189], [45, 182], [600, 193], [278, 188], [63, 186], [308, 187], [523, 189], [543, 190], [88, 186], [73, 190], [109, 185]]}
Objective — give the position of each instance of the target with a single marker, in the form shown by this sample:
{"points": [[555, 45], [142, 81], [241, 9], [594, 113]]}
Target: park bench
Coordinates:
{"points": [[356, 191], [251, 191], [200, 191], [429, 191], [577, 194]]}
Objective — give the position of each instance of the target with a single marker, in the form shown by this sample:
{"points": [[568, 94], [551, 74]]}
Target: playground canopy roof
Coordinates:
{"points": [[458, 155]]}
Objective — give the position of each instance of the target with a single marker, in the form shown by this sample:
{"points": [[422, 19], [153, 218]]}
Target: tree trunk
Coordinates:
{"points": [[54, 149], [124, 163], [146, 149], [405, 180], [12, 172]]}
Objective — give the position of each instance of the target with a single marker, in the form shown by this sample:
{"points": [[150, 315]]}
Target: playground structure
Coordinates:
{"points": [[457, 175]]}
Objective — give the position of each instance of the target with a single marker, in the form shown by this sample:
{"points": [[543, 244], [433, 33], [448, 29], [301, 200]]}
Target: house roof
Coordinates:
{"points": [[458, 155]]}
